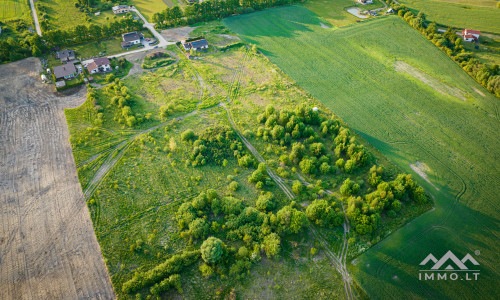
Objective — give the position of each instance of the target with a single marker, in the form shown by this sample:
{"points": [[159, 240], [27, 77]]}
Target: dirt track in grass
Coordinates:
{"points": [[48, 249]]}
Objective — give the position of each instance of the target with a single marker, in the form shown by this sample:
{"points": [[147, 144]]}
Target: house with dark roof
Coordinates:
{"points": [[471, 35], [66, 71], [120, 9], [66, 55], [197, 45], [99, 65], [131, 38]]}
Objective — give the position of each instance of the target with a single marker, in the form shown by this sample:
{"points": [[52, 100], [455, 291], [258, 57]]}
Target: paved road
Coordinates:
{"points": [[35, 18]]}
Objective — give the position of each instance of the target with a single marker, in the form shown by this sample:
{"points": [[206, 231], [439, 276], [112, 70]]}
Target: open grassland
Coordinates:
{"points": [[61, 14], [335, 12], [477, 15], [136, 175], [14, 9], [426, 110], [149, 7]]}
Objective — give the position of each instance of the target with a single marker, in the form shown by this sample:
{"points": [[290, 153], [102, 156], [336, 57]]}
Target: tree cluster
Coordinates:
{"points": [[121, 98]]}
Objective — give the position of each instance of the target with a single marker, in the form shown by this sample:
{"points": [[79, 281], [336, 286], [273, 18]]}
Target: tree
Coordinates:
{"points": [[110, 77], [271, 244], [198, 228], [188, 135], [211, 250], [307, 166], [297, 187], [266, 202]]}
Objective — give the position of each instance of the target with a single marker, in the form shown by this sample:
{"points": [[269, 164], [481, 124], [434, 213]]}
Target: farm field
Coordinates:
{"points": [[137, 173], [409, 100], [48, 248], [61, 13], [14, 9], [149, 7], [478, 15], [335, 12]]}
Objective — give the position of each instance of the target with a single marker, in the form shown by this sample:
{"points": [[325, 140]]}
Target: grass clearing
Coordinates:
{"points": [[149, 7], [476, 15], [352, 71], [14, 9]]}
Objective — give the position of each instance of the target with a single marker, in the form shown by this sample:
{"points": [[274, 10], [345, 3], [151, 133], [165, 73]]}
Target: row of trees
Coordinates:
{"points": [[451, 44], [211, 10]]}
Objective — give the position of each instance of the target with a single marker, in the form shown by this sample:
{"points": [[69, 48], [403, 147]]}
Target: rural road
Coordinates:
{"points": [[35, 18], [151, 27], [48, 249]]}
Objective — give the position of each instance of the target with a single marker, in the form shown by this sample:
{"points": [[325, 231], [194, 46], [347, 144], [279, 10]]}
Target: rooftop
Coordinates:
{"points": [[64, 70], [132, 36]]}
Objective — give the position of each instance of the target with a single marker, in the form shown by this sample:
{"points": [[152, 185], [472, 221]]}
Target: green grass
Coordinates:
{"points": [[62, 13], [14, 9], [335, 12], [108, 46], [149, 7], [478, 15], [351, 70]]}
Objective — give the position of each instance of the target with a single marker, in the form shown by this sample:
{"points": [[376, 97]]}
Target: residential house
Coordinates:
{"points": [[120, 9], [471, 35], [66, 71], [99, 65], [66, 55], [197, 45], [365, 1], [131, 38]]}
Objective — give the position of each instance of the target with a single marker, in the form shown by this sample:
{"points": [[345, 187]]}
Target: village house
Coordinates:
{"points": [[120, 9], [66, 71], [99, 65], [131, 38], [66, 55], [365, 1], [197, 45], [471, 35]]}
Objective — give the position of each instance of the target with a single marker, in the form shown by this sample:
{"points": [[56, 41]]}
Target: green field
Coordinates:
{"points": [[436, 116], [335, 12], [14, 9], [149, 7], [473, 14]]}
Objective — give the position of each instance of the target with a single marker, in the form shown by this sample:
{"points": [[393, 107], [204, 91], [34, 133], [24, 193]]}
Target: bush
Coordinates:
{"points": [[211, 250]]}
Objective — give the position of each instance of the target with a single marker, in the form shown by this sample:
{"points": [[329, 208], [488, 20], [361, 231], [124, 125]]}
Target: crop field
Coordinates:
{"points": [[335, 12], [480, 15], [14, 9], [409, 100]]}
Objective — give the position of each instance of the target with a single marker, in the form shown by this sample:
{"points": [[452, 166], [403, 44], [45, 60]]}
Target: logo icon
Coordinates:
{"points": [[449, 263]]}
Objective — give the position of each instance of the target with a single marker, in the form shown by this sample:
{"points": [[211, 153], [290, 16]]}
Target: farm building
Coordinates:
{"points": [[60, 84], [471, 35], [66, 55], [197, 45], [99, 65], [66, 71], [120, 9], [131, 38]]}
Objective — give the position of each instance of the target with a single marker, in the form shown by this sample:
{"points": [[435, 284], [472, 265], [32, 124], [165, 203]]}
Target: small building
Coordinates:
{"points": [[120, 9], [131, 38], [0, 29], [44, 78], [66, 55], [197, 45], [365, 1], [99, 65], [98, 13], [471, 35], [66, 71]]}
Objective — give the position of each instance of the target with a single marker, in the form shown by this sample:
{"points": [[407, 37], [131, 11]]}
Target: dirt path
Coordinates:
{"points": [[35, 18], [48, 249]]}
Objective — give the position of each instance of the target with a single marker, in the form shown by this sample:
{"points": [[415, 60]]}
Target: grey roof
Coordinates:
{"points": [[131, 36], [199, 43], [66, 53], [119, 7], [64, 70]]}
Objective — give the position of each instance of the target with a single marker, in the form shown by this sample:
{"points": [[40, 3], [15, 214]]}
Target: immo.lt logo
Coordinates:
{"points": [[449, 267]]}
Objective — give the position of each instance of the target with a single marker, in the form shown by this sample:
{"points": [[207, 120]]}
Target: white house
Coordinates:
{"points": [[120, 9], [471, 35], [99, 65], [197, 45]]}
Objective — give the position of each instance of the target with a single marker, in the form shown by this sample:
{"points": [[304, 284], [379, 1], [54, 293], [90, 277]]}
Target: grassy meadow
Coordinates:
{"points": [[335, 12], [414, 104], [149, 7], [14, 9], [480, 15]]}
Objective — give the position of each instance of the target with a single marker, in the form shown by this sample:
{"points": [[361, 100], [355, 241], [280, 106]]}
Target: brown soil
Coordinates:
{"points": [[177, 34], [48, 249]]}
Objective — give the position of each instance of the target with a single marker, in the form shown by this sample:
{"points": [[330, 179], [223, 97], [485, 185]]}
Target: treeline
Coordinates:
{"points": [[451, 44], [20, 42], [82, 33], [211, 10]]}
